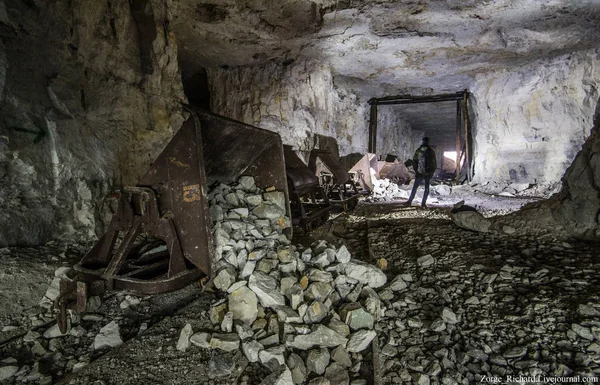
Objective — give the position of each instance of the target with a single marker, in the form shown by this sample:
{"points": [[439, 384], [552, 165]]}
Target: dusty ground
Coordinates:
{"points": [[521, 291]]}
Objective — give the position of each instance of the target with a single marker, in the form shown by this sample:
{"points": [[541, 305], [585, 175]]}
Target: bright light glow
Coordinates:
{"points": [[450, 155]]}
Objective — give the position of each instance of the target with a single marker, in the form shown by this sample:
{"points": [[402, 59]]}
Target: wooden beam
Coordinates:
{"points": [[404, 99], [373, 129], [467, 138], [458, 129]]}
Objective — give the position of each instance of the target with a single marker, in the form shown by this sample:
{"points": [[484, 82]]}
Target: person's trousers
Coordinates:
{"points": [[418, 180]]}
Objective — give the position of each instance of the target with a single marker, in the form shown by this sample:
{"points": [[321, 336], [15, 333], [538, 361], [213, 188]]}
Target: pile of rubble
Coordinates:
{"points": [[306, 315], [387, 190]]}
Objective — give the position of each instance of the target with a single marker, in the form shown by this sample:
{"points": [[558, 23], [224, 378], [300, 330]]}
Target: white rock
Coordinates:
{"points": [[226, 342], [109, 336], [129, 301], [243, 304], [448, 316], [360, 340], [54, 331], [267, 290], [343, 255], [425, 261], [320, 336], [7, 372], [471, 220], [251, 350], [201, 340], [365, 274]]}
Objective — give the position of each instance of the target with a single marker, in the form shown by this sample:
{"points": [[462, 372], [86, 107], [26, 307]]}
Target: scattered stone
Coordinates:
{"points": [[588, 311], [297, 368], [227, 342], [471, 220], [448, 316], [266, 289], [227, 323], [356, 317], [360, 340], [365, 274], [217, 312], [425, 261], [343, 255], [341, 356], [129, 301], [109, 336], [316, 312], [54, 331], [272, 357], [582, 331], [201, 339], [321, 336], [280, 376], [318, 360], [7, 372], [251, 350], [336, 374], [225, 278]]}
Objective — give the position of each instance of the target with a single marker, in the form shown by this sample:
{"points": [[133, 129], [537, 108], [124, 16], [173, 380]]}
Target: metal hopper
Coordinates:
{"points": [[170, 205]]}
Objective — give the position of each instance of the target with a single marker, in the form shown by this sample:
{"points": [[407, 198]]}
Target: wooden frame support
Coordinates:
{"points": [[373, 127], [458, 140]]}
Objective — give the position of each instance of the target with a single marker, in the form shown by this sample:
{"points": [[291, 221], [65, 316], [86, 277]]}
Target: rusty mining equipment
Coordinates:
{"points": [[309, 203], [338, 185], [170, 205]]}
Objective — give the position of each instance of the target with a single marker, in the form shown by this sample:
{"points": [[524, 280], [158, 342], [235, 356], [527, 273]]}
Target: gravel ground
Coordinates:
{"points": [[474, 305]]}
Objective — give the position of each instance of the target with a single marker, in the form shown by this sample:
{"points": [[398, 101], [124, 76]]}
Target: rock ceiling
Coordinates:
{"points": [[388, 45]]}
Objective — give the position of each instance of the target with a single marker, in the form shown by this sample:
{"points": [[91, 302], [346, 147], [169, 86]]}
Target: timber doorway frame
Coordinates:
{"points": [[462, 124]]}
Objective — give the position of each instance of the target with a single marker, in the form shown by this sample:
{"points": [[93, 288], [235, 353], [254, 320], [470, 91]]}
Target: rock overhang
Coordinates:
{"points": [[391, 45]]}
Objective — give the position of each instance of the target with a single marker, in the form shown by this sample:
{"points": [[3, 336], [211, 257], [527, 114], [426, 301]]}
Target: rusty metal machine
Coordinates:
{"points": [[309, 203], [337, 183], [170, 205]]}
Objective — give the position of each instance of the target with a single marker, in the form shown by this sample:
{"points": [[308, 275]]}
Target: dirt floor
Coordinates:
{"points": [[524, 303]]}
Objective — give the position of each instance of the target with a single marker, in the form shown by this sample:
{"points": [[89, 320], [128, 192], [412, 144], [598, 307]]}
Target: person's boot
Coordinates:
{"points": [[423, 205]]}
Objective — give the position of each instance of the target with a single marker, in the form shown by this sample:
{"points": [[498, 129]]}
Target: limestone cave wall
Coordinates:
{"points": [[395, 135], [298, 101], [577, 206], [86, 103], [531, 122]]}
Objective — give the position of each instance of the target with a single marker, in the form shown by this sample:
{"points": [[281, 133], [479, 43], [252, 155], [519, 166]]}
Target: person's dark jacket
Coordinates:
{"points": [[424, 161]]}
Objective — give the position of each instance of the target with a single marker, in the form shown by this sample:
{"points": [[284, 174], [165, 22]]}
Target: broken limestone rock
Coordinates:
{"points": [[281, 376], [297, 367], [267, 289], [227, 342], [321, 336], [184, 338], [225, 278], [243, 303], [364, 273], [356, 317], [318, 360], [341, 356], [109, 336], [252, 349], [471, 220], [360, 340], [343, 255], [201, 340], [272, 357]]}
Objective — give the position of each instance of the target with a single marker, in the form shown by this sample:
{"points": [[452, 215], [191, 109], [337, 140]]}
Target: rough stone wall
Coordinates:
{"points": [[578, 206], [297, 101], [394, 135], [531, 122], [85, 105]]}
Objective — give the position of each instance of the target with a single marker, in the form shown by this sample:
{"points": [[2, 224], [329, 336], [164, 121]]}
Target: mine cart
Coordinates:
{"points": [[170, 206], [309, 204], [334, 179]]}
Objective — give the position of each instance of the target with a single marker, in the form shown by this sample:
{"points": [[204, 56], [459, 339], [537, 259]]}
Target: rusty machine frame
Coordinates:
{"points": [[337, 183], [170, 203], [309, 203]]}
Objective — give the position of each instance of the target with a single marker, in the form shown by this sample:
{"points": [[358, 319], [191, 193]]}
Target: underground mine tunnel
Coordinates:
{"points": [[215, 192]]}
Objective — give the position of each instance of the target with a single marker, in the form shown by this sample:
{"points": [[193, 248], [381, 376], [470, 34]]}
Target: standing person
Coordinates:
{"points": [[425, 164]]}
